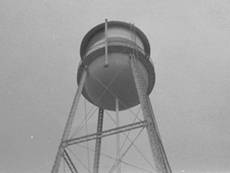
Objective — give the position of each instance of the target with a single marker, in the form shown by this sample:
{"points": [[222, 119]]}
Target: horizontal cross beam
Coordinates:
{"points": [[104, 133]]}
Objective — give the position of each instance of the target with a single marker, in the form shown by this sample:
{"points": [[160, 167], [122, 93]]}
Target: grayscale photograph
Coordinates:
{"points": [[119, 86]]}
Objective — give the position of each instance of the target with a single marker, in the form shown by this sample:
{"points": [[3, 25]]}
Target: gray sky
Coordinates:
{"points": [[190, 48]]}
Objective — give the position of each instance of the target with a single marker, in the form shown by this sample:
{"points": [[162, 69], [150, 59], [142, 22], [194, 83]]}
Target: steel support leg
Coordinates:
{"points": [[98, 141], [159, 155], [69, 123]]}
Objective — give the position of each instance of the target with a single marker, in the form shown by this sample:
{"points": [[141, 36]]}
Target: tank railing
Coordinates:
{"points": [[115, 41], [105, 133]]}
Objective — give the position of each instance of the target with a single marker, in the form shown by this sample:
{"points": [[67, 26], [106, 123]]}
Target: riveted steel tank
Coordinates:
{"points": [[106, 83]]}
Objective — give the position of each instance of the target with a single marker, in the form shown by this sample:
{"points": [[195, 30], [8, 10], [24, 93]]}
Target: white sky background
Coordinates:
{"points": [[39, 53]]}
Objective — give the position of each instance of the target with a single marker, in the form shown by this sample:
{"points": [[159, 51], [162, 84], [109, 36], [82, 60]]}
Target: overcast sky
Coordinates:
{"points": [[190, 48]]}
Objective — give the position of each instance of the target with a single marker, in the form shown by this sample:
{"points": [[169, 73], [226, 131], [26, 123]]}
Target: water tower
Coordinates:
{"points": [[115, 74]]}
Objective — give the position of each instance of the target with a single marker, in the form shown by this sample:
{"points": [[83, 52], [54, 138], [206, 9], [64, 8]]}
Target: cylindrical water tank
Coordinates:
{"points": [[104, 84]]}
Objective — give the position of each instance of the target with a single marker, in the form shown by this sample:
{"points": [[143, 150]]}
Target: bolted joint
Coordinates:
{"points": [[64, 144]]}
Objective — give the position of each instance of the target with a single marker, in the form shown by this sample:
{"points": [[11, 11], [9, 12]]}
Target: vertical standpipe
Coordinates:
{"points": [[159, 155], [118, 135], [106, 44]]}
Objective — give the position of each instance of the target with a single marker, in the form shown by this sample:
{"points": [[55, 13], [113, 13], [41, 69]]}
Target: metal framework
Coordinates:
{"points": [[95, 136], [159, 156], [65, 141]]}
